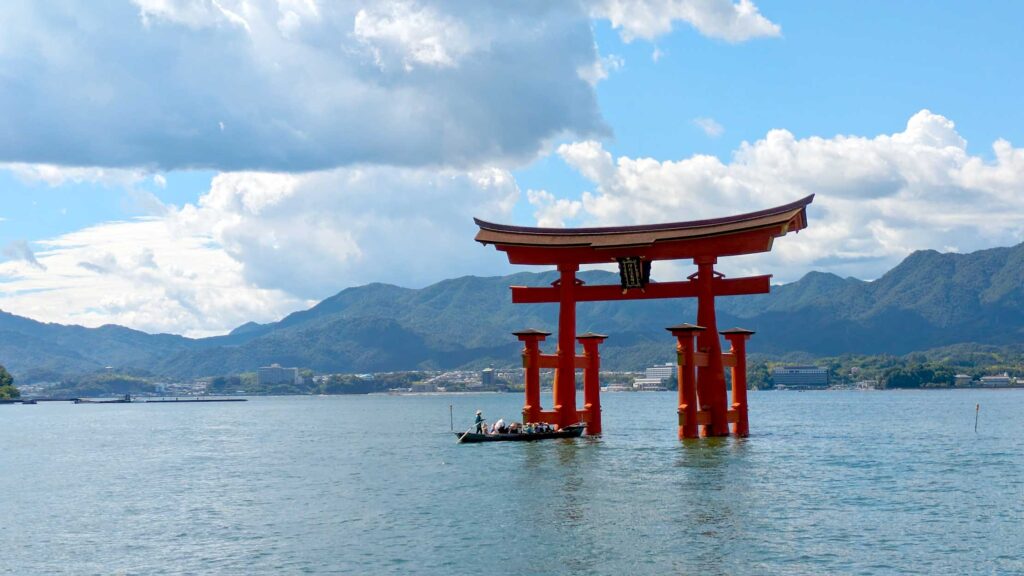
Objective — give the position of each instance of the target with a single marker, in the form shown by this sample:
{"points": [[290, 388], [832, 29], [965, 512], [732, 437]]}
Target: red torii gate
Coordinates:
{"points": [[702, 397]]}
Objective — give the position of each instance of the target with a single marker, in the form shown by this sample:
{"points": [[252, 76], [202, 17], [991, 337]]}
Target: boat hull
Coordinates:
{"points": [[568, 432]]}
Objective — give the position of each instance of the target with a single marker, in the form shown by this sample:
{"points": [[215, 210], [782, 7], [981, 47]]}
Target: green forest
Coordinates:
{"points": [[7, 389]]}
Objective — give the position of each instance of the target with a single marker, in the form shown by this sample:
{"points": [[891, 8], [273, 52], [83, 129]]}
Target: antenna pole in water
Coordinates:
{"points": [[977, 408]]}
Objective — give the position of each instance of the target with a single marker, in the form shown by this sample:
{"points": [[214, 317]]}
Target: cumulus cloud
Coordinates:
{"points": [[648, 19], [551, 211], [312, 234], [413, 35], [878, 198], [257, 246], [291, 85]]}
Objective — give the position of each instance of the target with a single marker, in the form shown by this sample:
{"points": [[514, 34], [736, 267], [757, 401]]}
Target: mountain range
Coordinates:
{"points": [[929, 300]]}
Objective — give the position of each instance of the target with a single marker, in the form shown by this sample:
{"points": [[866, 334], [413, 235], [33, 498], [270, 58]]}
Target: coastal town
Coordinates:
{"points": [[277, 379]]}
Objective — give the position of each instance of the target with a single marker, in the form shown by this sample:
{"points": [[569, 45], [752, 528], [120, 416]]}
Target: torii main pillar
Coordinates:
{"points": [[634, 248], [564, 387]]}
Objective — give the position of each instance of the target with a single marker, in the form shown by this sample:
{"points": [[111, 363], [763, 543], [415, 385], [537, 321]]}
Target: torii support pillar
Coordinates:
{"points": [[710, 376], [684, 334], [564, 387], [592, 381], [531, 340], [738, 337]]}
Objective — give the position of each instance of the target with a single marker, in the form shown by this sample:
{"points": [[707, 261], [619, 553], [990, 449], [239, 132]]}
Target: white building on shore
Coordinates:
{"points": [[800, 378], [1001, 381], [276, 374], [662, 371]]}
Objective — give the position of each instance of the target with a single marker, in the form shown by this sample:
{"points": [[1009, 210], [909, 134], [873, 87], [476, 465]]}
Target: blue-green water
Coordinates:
{"points": [[829, 483]]}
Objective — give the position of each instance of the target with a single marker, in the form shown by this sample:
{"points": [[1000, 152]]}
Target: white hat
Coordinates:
{"points": [[479, 412]]}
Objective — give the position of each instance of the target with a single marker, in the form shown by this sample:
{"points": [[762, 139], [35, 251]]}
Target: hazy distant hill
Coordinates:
{"points": [[35, 350], [929, 300]]}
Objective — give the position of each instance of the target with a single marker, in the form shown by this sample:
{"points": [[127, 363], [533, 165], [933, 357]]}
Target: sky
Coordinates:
{"points": [[186, 166]]}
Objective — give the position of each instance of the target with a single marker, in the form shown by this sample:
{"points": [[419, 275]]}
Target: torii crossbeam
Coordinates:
{"points": [[634, 248]]}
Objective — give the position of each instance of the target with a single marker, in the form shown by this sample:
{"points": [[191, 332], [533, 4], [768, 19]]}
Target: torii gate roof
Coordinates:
{"points": [[729, 236]]}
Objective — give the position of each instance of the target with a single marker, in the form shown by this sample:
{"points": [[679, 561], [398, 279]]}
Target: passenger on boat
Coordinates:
{"points": [[499, 427], [479, 422], [515, 428]]}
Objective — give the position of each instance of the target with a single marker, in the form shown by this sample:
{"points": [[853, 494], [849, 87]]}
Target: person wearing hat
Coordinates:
{"points": [[479, 422]]}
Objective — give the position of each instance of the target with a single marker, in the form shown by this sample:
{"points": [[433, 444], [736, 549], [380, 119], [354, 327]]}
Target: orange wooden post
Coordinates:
{"points": [[687, 410], [531, 340], [592, 381], [710, 378], [738, 337], [564, 389]]}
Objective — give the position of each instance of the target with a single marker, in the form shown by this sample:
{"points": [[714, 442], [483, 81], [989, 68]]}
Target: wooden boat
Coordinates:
{"points": [[574, 431]]}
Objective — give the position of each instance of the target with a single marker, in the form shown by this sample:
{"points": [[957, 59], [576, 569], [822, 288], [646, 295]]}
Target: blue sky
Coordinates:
{"points": [[188, 166]]}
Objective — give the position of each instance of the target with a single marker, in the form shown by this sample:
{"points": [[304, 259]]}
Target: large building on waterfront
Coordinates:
{"points": [[487, 377], [276, 374], [663, 372], [800, 377], [999, 381]]}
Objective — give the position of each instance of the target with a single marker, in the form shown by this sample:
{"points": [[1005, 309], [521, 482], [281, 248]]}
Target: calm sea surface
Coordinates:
{"points": [[829, 483]]}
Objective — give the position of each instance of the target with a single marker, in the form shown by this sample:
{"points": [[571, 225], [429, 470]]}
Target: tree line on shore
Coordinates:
{"points": [[916, 370], [7, 389], [932, 369]]}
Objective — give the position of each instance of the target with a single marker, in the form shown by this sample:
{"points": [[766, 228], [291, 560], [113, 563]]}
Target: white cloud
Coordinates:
{"points": [[313, 234], [292, 85], [193, 13], [648, 19], [877, 199], [709, 126], [599, 69], [551, 211], [412, 34], [135, 201], [295, 13], [53, 175], [140, 274], [259, 245]]}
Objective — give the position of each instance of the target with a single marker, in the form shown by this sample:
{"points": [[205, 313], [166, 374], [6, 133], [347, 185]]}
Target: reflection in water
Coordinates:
{"points": [[571, 508], [554, 494], [714, 479]]}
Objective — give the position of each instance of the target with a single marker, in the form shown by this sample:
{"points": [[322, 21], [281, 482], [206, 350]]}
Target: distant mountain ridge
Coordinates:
{"points": [[929, 300]]}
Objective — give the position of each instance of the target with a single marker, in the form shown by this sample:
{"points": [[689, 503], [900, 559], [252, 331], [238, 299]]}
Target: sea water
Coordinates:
{"points": [[827, 483]]}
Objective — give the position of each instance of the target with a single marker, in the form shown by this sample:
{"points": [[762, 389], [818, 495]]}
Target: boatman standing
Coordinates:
{"points": [[479, 422]]}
